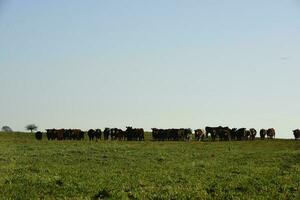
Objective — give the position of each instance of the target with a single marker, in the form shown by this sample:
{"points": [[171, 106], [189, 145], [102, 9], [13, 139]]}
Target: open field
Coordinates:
{"points": [[31, 169]]}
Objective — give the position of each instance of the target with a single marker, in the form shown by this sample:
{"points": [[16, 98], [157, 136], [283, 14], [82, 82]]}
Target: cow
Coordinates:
{"points": [[240, 133], [167, 134], [233, 134], [113, 133], [160, 134], [64, 134], [39, 135], [80, 134], [77, 134], [120, 134], [296, 134], [180, 134], [106, 133], [155, 134], [247, 134], [141, 134], [212, 131], [220, 133], [60, 134], [50, 134], [224, 133], [262, 133], [199, 134], [129, 133], [252, 133], [117, 134], [91, 134], [271, 133], [187, 134], [68, 134], [98, 134], [134, 133]]}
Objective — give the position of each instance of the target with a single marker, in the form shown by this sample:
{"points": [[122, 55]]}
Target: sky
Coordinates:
{"points": [[171, 63]]}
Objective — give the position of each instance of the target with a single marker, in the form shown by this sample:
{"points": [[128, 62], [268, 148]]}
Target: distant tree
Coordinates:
{"points": [[31, 127], [6, 129]]}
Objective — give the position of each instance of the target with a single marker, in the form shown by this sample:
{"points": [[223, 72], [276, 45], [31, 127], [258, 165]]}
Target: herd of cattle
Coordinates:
{"points": [[93, 134], [220, 133], [137, 134]]}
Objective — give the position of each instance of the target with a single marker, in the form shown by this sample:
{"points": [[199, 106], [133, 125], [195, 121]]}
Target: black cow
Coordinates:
{"points": [[106, 133], [240, 133], [263, 133], [98, 134], [77, 134], [50, 134], [120, 135], [116, 134], [155, 134], [68, 134], [81, 134], [134, 133], [212, 131], [91, 134], [296, 134], [233, 134], [247, 134], [39, 135], [224, 133], [64, 134]]}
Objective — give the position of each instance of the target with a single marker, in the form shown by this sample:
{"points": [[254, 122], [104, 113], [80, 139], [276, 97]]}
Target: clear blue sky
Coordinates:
{"points": [[191, 63]]}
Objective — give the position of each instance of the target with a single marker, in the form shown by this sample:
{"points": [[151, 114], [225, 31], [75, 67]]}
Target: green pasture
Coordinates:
{"points": [[31, 169]]}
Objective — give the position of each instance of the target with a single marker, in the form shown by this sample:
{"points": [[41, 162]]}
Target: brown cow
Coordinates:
{"points": [[252, 133], [271, 133], [199, 134], [60, 134]]}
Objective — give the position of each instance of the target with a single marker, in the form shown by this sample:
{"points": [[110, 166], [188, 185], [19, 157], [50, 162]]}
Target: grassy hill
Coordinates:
{"points": [[31, 169]]}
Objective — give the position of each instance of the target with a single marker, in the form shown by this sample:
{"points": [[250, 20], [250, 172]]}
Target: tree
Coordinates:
{"points": [[31, 127], [6, 129]]}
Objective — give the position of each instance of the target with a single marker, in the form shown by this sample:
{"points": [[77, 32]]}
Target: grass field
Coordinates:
{"points": [[31, 169]]}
